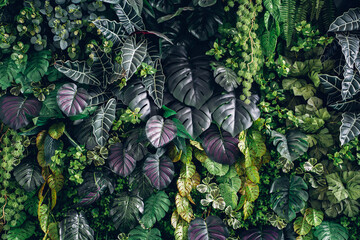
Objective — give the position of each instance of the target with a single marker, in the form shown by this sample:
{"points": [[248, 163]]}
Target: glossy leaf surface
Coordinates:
{"points": [[120, 162], [72, 100], [211, 228], [159, 131]]}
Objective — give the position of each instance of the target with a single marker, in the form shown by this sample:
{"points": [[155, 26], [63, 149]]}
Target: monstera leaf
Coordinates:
{"points": [[140, 184], [266, 233], [78, 71], [97, 96], [133, 54], [126, 210], [349, 21], [14, 111], [159, 131], [120, 162], [232, 114], [112, 31], [155, 84], [75, 226], [226, 78], [28, 176], [331, 231], [350, 127], [95, 184], [160, 170], [290, 146], [189, 79], [139, 233], [71, 100], [350, 47], [128, 17], [288, 196], [211, 228], [155, 209], [103, 120]]}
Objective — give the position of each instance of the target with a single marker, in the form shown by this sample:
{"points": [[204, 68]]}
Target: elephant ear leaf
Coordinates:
{"points": [[290, 146], [120, 162], [350, 127], [28, 176], [211, 228], [112, 31], [128, 17], [154, 84], [288, 196], [350, 84], [139, 233], [74, 225], [159, 131], [331, 231], [72, 100], [103, 120], [133, 54], [350, 47], [266, 233], [206, 3], [331, 85], [349, 21], [126, 211], [95, 184], [225, 77], [220, 146], [159, 170], [155, 209], [232, 114], [14, 111]]}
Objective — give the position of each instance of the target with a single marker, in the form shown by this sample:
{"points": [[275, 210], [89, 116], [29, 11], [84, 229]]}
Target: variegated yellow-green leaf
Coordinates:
{"points": [[253, 174], [242, 141], [215, 168], [257, 144], [175, 219], [249, 160], [184, 186], [301, 226], [187, 157], [40, 139], [196, 179], [53, 231], [183, 207], [174, 154], [252, 191], [187, 170], [57, 130], [41, 158], [248, 209], [181, 230], [197, 145], [43, 216], [56, 181], [53, 198], [314, 217], [200, 155]]}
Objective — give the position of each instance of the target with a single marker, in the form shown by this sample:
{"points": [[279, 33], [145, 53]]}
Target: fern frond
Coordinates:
{"points": [[302, 10], [327, 15], [316, 6], [287, 17]]}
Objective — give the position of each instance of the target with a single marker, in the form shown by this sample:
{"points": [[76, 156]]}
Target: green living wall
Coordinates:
{"points": [[179, 119]]}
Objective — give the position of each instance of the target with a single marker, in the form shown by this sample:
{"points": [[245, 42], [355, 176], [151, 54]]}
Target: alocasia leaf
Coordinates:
{"points": [[225, 77], [290, 146], [133, 53], [220, 146], [159, 131], [232, 114], [154, 84], [103, 67], [112, 31], [75, 226], [160, 170], [331, 231], [126, 211], [211, 228], [349, 46], [288, 196], [103, 120], [188, 78], [50, 146], [71, 99], [15, 111], [266, 233], [139, 233], [331, 85], [206, 3], [128, 17], [95, 184], [140, 184], [97, 96], [120, 161], [349, 21], [350, 127], [155, 209], [350, 84], [28, 176]]}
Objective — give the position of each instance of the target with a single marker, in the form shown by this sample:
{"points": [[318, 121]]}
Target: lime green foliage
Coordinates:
{"points": [[126, 116]]}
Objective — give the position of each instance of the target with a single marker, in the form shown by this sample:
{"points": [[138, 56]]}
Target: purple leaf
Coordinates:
{"points": [[71, 100], [211, 228], [160, 171], [14, 110], [220, 146], [135, 144], [120, 161], [267, 233], [160, 132]]}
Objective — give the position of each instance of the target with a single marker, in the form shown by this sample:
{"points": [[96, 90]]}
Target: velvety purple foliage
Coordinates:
{"points": [[14, 111], [95, 184], [160, 132], [72, 100], [160, 171], [220, 146], [212, 228], [267, 233], [120, 162], [135, 144]]}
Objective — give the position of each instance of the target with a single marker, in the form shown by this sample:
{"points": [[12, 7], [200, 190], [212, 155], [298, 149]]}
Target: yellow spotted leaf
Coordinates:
{"points": [[181, 230], [190, 199], [57, 130], [184, 186], [53, 198], [253, 174], [248, 209], [200, 155], [41, 158], [56, 181], [53, 231], [40, 139], [195, 180], [174, 219], [174, 153], [187, 157], [242, 141], [314, 217], [43, 216], [197, 145], [251, 191], [188, 170], [183, 208]]}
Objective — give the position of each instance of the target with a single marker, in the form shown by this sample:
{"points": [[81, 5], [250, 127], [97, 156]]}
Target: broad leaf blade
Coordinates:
{"points": [[160, 171], [331, 231], [159, 131], [350, 47], [226, 78], [350, 127], [133, 54], [211, 228], [102, 122], [28, 176], [120, 162], [72, 100], [128, 17], [139, 233], [349, 21], [75, 225], [155, 209], [266, 233], [112, 31], [290, 146], [154, 84]]}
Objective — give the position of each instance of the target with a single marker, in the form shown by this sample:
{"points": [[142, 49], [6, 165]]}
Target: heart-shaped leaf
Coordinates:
{"points": [[75, 225], [14, 111], [128, 17], [154, 84], [72, 100], [226, 78], [160, 170], [112, 31], [232, 114], [103, 120], [159, 131], [211, 228], [349, 21], [350, 47], [220, 146], [140, 184], [133, 54], [266, 233], [28, 176], [136, 145], [155, 209], [292, 145], [350, 127], [126, 210], [95, 184], [139, 233], [189, 79], [120, 162], [331, 231]]}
